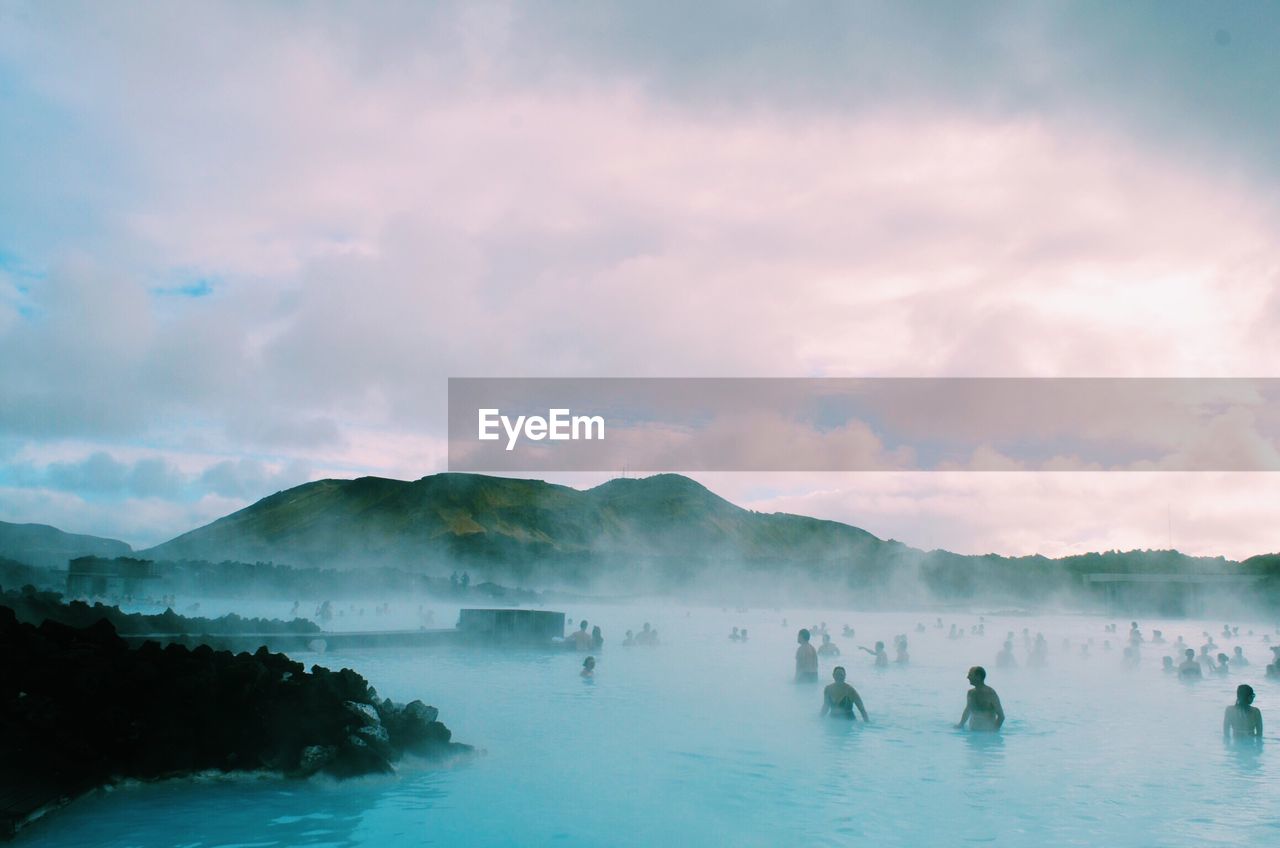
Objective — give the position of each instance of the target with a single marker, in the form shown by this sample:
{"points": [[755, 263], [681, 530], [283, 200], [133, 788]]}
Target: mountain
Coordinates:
{"points": [[665, 523], [662, 531], [48, 547]]}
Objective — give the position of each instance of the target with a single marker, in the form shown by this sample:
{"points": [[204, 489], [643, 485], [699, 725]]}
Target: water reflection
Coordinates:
{"points": [[985, 751], [1245, 755]]}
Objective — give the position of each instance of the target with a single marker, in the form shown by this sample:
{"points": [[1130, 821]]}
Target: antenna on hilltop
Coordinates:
{"points": [[1169, 515]]}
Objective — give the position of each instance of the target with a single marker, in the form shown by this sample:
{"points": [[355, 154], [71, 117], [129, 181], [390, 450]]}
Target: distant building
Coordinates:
{"points": [[520, 626], [1170, 594], [91, 575]]}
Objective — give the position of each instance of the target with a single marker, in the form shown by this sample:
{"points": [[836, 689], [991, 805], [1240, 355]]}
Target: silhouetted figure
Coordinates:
{"points": [[1237, 659], [882, 657], [588, 667], [828, 648], [734, 635], [839, 699], [744, 634], [580, 639], [1224, 664], [597, 638], [1005, 658], [1039, 652], [1190, 669], [982, 708], [1206, 660], [900, 646], [1166, 663], [630, 641], [806, 659], [1242, 720], [465, 580]]}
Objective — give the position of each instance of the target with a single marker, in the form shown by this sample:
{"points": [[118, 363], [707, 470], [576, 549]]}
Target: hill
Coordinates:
{"points": [[48, 547], [663, 531], [665, 523]]}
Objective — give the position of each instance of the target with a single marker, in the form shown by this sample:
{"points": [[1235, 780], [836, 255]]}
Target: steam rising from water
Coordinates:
{"points": [[702, 740]]}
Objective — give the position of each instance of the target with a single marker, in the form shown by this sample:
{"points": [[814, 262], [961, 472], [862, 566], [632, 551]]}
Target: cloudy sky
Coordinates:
{"points": [[243, 246]]}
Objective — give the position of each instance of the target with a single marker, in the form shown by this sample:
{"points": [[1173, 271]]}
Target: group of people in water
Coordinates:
{"points": [[983, 710], [581, 640]]}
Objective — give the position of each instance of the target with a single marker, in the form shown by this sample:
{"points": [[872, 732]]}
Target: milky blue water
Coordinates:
{"points": [[704, 741]]}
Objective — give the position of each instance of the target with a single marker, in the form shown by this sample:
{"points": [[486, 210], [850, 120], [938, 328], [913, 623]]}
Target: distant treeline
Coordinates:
{"points": [[233, 579]]}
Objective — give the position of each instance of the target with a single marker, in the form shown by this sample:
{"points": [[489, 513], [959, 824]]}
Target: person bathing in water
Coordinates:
{"points": [[806, 659], [588, 667], [1190, 669], [839, 698], [1242, 719], [882, 656], [982, 709]]}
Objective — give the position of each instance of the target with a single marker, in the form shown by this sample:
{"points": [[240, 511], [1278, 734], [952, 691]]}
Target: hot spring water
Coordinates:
{"points": [[706, 741]]}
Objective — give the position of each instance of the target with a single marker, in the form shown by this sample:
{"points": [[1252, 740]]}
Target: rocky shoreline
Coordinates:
{"points": [[80, 709]]}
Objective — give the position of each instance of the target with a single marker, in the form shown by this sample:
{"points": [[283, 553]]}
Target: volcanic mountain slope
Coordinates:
{"points": [[666, 527], [515, 525], [48, 547]]}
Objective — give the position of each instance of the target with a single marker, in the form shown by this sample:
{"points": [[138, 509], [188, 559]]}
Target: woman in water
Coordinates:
{"points": [[1242, 719], [588, 667], [839, 698]]}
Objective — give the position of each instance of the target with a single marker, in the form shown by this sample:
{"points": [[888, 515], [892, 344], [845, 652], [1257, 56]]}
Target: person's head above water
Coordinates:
{"points": [[879, 646], [1244, 694], [589, 663], [582, 625], [977, 675], [838, 673], [1191, 654], [825, 639], [803, 635]]}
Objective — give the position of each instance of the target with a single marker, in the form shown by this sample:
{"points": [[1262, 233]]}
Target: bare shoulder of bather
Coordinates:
{"points": [[983, 709], [1242, 721], [837, 692]]}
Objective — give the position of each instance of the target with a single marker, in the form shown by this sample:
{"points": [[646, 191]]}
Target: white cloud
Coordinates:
{"points": [[382, 211]]}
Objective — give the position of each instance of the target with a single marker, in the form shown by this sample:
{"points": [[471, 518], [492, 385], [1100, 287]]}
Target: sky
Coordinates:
{"points": [[243, 246]]}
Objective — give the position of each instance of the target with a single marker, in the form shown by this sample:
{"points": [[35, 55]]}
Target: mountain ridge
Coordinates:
{"points": [[45, 546]]}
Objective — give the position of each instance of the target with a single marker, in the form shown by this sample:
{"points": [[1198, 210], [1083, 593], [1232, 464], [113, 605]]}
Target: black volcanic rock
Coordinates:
{"points": [[79, 708], [35, 606]]}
